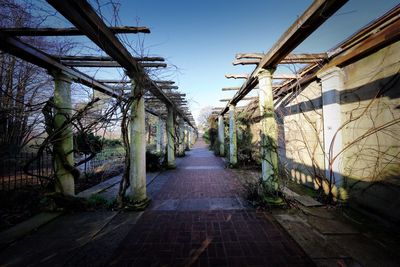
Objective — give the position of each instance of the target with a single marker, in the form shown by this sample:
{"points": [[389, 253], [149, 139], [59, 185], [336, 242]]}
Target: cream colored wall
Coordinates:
{"points": [[374, 157]]}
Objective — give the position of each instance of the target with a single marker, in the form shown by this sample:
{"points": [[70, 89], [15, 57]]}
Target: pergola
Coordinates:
{"points": [[263, 76], [372, 37], [155, 97]]}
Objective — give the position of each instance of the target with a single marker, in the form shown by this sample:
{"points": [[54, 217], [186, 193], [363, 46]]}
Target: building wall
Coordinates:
{"points": [[370, 106], [370, 120]]}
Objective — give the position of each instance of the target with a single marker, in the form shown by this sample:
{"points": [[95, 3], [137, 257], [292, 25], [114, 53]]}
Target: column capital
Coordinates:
{"points": [[266, 73], [231, 106], [60, 75], [329, 73]]}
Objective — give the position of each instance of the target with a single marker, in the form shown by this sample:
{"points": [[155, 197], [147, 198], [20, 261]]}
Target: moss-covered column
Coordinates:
{"points": [[269, 129], [181, 139], [137, 175], [189, 138], [64, 144], [187, 133], [160, 136], [232, 137], [221, 135], [171, 139]]}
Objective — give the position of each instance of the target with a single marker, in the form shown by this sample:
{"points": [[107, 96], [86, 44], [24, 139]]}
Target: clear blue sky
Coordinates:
{"points": [[202, 37]]}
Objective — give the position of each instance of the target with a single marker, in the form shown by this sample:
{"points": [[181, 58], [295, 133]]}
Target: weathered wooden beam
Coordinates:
{"points": [[289, 59], [24, 31], [236, 76], [304, 26], [168, 87], [105, 58], [230, 88], [244, 98], [250, 55], [109, 64], [113, 81], [160, 83], [84, 17], [32, 55]]}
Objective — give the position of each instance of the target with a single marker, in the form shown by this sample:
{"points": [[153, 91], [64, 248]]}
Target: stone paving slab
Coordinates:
{"points": [[307, 201], [24, 228], [55, 241]]}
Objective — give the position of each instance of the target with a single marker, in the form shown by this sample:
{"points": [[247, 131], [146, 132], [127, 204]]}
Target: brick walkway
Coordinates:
{"points": [[197, 218]]}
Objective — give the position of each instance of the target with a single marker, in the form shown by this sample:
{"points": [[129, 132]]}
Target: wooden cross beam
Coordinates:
{"points": [[289, 59], [236, 76], [168, 87], [109, 64], [161, 83], [244, 98], [104, 58], [275, 76], [113, 81], [67, 31], [17, 48]]}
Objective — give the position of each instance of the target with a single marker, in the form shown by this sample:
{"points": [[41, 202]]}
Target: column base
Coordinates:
{"points": [[170, 166], [138, 205]]}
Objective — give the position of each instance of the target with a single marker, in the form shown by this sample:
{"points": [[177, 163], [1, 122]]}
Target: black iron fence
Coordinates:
{"points": [[13, 176]]}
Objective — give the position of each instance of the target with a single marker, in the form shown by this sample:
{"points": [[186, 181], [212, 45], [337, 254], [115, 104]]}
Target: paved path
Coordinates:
{"points": [[196, 218]]}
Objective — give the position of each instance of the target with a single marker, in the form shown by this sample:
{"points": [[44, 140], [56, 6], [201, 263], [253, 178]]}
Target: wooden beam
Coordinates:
{"points": [[168, 87], [67, 31], [84, 17], [112, 81], [160, 83], [104, 58], [250, 55], [32, 55], [109, 64], [236, 76], [318, 12], [289, 59], [230, 88], [244, 98]]}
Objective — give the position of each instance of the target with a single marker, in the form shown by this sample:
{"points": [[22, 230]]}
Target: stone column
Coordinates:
{"points": [[181, 139], [232, 137], [269, 129], [187, 133], [137, 175], [64, 144], [160, 136], [331, 84], [221, 135], [189, 137], [170, 137]]}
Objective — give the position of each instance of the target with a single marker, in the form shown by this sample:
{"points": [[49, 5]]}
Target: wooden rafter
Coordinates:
{"points": [[67, 31], [103, 58], [244, 98], [110, 64], [255, 58]]}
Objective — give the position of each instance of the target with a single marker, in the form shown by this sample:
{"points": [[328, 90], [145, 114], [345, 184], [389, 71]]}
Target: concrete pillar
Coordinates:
{"points": [[160, 137], [221, 135], [171, 139], [332, 82], [232, 137], [64, 144], [269, 129], [137, 175]]}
